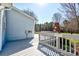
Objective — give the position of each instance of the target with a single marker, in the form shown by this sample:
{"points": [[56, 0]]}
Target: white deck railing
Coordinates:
{"points": [[56, 41]]}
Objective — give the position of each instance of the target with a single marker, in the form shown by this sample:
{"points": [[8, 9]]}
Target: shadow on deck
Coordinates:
{"points": [[15, 46]]}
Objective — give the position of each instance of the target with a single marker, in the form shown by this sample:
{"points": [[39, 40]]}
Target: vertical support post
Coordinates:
{"points": [[65, 45], [74, 48], [70, 46], [62, 43], [45, 38], [39, 37], [50, 41], [57, 43]]}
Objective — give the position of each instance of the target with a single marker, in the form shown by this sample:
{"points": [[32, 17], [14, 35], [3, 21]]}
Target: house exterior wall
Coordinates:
{"points": [[2, 28], [18, 25], [0, 32]]}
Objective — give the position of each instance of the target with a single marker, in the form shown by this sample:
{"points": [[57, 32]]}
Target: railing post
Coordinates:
{"points": [[70, 46], [50, 41], [66, 45], [39, 37], [57, 43], [62, 43], [74, 48]]}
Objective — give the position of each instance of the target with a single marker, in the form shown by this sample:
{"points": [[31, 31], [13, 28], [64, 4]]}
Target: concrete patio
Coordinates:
{"points": [[22, 48]]}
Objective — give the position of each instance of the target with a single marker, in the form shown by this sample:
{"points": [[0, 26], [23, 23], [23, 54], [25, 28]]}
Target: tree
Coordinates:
{"points": [[50, 26], [31, 13], [66, 22], [72, 12], [46, 26], [37, 27], [56, 17]]}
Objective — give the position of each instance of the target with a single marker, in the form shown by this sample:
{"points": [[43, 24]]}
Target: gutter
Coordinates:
{"points": [[18, 10]]}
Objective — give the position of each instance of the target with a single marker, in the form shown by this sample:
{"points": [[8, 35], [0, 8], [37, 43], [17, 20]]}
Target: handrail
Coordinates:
{"points": [[71, 36]]}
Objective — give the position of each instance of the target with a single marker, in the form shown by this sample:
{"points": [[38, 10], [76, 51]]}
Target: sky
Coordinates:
{"points": [[44, 12]]}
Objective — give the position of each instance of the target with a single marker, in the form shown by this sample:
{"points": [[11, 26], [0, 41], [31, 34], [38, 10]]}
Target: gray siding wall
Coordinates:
{"points": [[2, 28], [17, 24]]}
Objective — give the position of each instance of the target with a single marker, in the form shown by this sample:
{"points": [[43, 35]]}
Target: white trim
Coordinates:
{"points": [[1, 7], [18, 10], [1, 28]]}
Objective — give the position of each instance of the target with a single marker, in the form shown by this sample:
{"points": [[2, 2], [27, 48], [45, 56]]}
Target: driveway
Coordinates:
{"points": [[26, 47]]}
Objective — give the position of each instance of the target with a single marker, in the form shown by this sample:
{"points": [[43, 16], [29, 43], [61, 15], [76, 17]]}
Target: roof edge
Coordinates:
{"points": [[16, 9]]}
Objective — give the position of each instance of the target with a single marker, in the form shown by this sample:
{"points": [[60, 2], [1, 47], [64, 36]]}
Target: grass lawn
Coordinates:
{"points": [[69, 33], [72, 40]]}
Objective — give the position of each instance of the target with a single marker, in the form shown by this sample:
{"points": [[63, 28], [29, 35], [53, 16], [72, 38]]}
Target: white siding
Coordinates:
{"points": [[0, 32], [17, 23], [2, 28]]}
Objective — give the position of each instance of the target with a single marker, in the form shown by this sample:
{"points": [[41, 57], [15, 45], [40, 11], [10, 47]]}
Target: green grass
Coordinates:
{"points": [[72, 40], [65, 33], [68, 33]]}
